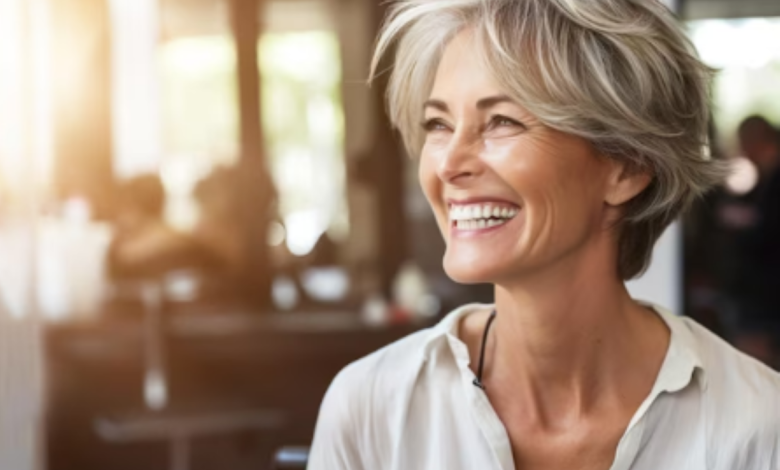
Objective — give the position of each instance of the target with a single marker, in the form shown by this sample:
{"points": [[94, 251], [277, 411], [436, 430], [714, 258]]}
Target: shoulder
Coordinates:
{"points": [[357, 412], [380, 373], [741, 397], [378, 378], [729, 371], [362, 414]]}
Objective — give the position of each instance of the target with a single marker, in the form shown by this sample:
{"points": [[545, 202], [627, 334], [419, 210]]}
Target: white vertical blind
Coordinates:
{"points": [[25, 156]]}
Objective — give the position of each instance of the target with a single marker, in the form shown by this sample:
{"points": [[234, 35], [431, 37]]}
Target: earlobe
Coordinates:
{"points": [[625, 184]]}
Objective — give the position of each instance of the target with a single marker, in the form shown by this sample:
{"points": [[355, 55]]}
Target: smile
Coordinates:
{"points": [[481, 216]]}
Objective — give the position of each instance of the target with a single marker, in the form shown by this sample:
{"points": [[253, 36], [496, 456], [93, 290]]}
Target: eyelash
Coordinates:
{"points": [[496, 119], [430, 125]]}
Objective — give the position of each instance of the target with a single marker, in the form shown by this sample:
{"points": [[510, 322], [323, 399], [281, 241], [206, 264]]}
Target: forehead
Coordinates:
{"points": [[462, 73]]}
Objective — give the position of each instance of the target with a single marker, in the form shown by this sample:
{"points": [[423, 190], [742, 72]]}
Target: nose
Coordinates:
{"points": [[460, 162]]}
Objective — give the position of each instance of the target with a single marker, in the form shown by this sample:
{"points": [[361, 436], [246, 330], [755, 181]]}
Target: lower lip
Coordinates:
{"points": [[467, 233]]}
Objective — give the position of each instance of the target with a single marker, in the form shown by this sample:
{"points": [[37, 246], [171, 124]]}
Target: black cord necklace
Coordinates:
{"points": [[480, 368]]}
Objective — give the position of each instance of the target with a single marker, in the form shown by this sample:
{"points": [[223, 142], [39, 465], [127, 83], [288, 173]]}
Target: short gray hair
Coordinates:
{"points": [[620, 73]]}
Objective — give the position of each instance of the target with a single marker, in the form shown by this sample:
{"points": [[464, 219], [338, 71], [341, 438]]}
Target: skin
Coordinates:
{"points": [[571, 356]]}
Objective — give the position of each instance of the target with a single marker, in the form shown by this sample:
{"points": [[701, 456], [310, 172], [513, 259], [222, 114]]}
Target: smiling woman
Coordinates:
{"points": [[483, 147], [556, 141]]}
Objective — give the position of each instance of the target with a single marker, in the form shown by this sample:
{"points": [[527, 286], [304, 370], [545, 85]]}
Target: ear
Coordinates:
{"points": [[625, 183]]}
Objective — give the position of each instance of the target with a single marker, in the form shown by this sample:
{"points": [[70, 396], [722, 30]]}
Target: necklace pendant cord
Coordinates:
{"points": [[478, 380]]}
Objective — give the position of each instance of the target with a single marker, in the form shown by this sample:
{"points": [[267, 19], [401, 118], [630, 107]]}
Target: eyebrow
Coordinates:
{"points": [[436, 104], [482, 104]]}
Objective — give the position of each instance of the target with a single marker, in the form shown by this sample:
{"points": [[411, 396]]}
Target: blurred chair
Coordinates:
{"points": [[161, 422], [181, 428]]}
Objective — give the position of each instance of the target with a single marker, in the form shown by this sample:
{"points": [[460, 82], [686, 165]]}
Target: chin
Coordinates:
{"points": [[470, 272]]}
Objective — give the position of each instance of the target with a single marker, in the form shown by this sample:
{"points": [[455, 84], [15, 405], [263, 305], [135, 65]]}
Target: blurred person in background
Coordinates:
{"points": [[219, 229], [752, 222], [237, 204], [220, 233], [144, 244], [556, 142]]}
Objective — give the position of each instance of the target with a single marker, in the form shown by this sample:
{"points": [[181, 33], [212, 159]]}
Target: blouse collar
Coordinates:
{"points": [[683, 360]]}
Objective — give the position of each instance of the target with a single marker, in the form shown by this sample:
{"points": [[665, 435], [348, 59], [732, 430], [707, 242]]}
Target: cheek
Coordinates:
{"points": [[431, 186], [559, 186], [532, 170], [426, 174], [563, 197]]}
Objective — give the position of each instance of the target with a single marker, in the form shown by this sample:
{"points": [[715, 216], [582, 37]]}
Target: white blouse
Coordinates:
{"points": [[412, 406]]}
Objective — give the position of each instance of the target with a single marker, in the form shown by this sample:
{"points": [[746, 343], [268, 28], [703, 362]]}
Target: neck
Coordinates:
{"points": [[569, 338]]}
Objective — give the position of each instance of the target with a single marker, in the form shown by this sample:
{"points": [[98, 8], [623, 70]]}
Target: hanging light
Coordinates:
{"points": [[743, 177]]}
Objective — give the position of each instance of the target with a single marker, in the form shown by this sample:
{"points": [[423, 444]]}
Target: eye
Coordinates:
{"points": [[434, 125], [503, 121]]}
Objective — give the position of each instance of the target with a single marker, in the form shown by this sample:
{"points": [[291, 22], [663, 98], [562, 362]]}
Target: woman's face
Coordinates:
{"points": [[510, 195]]}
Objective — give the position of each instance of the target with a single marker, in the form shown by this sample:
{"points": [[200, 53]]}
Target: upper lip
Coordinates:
{"points": [[478, 200]]}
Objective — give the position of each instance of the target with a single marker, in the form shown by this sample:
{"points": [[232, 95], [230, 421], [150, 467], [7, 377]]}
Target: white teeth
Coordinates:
{"points": [[477, 212], [478, 224]]}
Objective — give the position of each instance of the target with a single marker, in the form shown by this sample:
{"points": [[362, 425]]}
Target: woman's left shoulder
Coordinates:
{"points": [[731, 373]]}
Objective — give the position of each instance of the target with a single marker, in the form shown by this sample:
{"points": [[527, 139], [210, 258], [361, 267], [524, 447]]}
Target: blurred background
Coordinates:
{"points": [[204, 215]]}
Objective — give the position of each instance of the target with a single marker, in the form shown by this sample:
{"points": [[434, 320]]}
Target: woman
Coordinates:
{"points": [[559, 138]]}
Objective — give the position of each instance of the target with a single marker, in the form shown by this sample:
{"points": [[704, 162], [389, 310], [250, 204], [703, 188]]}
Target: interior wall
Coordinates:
{"points": [[20, 394], [705, 9], [662, 282]]}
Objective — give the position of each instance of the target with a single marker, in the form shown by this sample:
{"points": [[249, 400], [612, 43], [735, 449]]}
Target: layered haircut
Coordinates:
{"points": [[618, 73]]}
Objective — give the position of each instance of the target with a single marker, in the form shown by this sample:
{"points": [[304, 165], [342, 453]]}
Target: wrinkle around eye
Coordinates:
{"points": [[503, 126], [504, 132]]}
